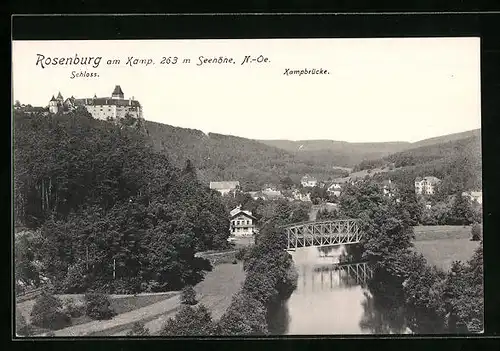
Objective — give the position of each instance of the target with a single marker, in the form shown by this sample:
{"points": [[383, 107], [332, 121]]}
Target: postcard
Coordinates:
{"points": [[257, 187]]}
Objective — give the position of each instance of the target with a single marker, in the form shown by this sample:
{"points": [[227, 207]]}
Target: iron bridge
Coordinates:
{"points": [[322, 233]]}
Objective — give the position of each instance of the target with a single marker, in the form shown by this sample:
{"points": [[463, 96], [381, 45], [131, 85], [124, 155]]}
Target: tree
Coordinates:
{"points": [[327, 215], [98, 306], [188, 296], [244, 316], [464, 295], [47, 312], [476, 232], [409, 203], [138, 329], [22, 328], [461, 211], [286, 183], [190, 321]]}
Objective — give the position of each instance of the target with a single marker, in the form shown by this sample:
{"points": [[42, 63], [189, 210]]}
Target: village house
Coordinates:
{"points": [[426, 185], [334, 188], [388, 188], [104, 108], [308, 182], [242, 223], [225, 188], [474, 196], [297, 195], [270, 194], [255, 195]]}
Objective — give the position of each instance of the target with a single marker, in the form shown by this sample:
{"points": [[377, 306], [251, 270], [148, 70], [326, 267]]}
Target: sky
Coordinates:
{"points": [[376, 90]]}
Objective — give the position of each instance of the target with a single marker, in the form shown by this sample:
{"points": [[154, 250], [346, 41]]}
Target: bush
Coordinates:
{"points": [[240, 255], [22, 328], [235, 262], [98, 306], [190, 321], [72, 309], [138, 329], [188, 296], [476, 232], [244, 316], [47, 313]]}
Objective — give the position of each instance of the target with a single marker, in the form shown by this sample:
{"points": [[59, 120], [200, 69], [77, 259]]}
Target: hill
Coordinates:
{"points": [[220, 157], [345, 154], [447, 138], [457, 162], [337, 153], [257, 162]]}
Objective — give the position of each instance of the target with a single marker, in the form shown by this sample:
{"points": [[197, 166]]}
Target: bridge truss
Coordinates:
{"points": [[322, 233]]}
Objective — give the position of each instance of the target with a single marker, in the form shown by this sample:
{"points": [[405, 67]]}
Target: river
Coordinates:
{"points": [[331, 298]]}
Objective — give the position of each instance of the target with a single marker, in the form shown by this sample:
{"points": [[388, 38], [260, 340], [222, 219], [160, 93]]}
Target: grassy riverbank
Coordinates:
{"points": [[441, 245]]}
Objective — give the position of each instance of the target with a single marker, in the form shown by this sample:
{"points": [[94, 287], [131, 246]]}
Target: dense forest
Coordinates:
{"points": [[222, 157], [105, 211]]}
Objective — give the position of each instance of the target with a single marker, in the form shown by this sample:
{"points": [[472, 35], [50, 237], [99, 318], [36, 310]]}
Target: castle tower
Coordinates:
{"points": [[53, 108], [59, 97], [117, 93]]}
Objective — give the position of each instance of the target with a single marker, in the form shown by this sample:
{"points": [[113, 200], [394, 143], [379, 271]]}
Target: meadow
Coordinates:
{"points": [[441, 245]]}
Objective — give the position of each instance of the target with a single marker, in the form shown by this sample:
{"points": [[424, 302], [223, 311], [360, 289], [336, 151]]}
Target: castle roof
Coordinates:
{"points": [[118, 91], [53, 98], [59, 96], [108, 101]]}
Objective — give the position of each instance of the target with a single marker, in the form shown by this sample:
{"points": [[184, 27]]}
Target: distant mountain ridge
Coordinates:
{"points": [[220, 157], [348, 154]]}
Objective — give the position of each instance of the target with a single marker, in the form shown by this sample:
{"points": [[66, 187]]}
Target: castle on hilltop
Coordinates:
{"points": [[106, 108]]}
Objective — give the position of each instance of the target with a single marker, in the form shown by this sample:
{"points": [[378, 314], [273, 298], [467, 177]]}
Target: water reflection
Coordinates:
{"points": [[335, 295], [278, 319], [378, 319]]}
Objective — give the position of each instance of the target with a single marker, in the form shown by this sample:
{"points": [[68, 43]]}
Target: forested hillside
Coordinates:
{"points": [[223, 157], [109, 212], [457, 163], [337, 153], [447, 138]]}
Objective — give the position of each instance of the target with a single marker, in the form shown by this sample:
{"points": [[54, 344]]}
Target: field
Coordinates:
{"points": [[441, 245], [215, 292], [119, 303]]}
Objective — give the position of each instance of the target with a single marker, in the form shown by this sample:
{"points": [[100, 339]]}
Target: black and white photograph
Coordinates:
{"points": [[247, 187]]}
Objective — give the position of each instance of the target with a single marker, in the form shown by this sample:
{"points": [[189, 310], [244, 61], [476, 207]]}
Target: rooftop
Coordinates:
{"points": [[107, 101], [117, 91], [224, 185]]}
